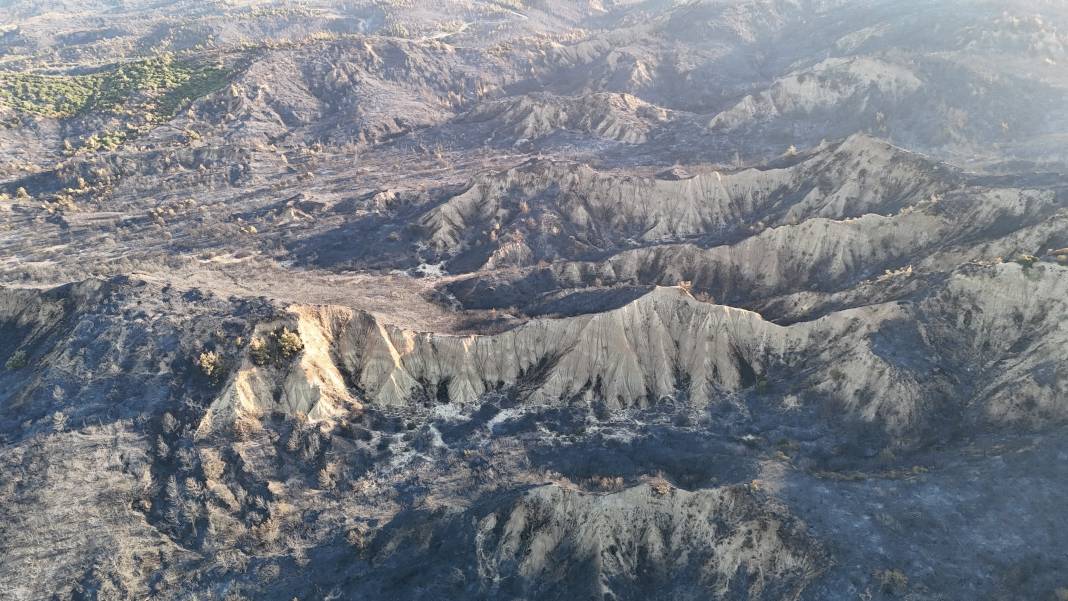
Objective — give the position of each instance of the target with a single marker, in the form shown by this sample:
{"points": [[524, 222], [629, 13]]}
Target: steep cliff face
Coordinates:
{"points": [[822, 88], [566, 211], [629, 356], [879, 364], [620, 117], [757, 245], [309, 385]]}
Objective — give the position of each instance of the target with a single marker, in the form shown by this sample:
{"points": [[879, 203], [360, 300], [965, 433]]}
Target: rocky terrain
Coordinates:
{"points": [[534, 299]]}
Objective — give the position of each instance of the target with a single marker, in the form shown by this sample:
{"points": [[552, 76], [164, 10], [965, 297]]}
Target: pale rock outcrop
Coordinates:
{"points": [[936, 234], [665, 344], [826, 85], [883, 363], [578, 207], [626, 356], [619, 117], [311, 385]]}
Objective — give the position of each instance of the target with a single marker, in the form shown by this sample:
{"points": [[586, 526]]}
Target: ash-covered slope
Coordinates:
{"points": [[502, 299], [225, 454], [648, 542], [349, 91], [120, 348]]}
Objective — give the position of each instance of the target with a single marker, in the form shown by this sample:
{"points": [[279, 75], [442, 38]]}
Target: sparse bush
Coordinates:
{"points": [[163, 450], [104, 141], [193, 489], [212, 465], [328, 475], [282, 345], [313, 443], [235, 596], [396, 30], [607, 483], [59, 421], [660, 486], [211, 365], [703, 296], [1027, 261], [359, 536], [269, 530], [294, 441], [269, 573], [289, 343], [186, 458], [510, 4], [892, 581], [259, 351], [761, 384], [18, 360], [169, 423]]}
